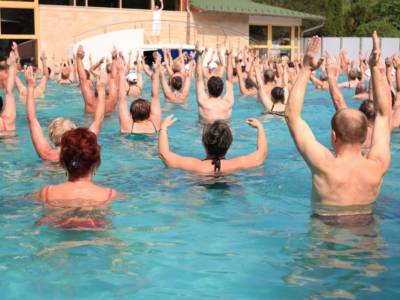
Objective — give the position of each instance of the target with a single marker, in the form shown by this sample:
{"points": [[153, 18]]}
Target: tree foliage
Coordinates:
{"points": [[350, 17]]}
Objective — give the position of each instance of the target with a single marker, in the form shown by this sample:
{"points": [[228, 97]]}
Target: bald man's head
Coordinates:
{"points": [[350, 126]]}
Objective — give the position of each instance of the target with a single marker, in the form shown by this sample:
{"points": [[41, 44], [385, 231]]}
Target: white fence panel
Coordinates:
{"points": [[352, 47], [389, 46], [332, 45]]}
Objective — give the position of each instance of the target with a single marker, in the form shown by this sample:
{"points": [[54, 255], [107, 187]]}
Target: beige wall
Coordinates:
{"points": [[62, 26]]}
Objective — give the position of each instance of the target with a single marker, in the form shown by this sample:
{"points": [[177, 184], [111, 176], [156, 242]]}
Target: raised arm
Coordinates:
{"points": [[380, 147], [87, 92], [229, 96], [333, 70], [101, 82], [42, 146], [94, 67], [188, 80], [258, 157], [171, 159], [313, 152], [200, 88], [262, 95], [242, 86], [164, 84], [125, 119], [9, 112], [41, 88], [396, 107], [155, 107]]}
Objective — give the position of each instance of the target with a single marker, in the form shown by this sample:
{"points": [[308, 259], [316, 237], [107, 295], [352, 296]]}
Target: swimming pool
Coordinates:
{"points": [[180, 236]]}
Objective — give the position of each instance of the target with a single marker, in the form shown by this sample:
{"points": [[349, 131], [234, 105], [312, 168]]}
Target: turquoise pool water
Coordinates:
{"points": [[179, 236]]}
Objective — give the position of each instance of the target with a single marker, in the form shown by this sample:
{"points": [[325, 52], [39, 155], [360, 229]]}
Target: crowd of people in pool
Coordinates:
{"points": [[349, 177]]}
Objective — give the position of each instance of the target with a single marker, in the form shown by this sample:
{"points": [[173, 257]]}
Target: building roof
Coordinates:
{"points": [[250, 7]]}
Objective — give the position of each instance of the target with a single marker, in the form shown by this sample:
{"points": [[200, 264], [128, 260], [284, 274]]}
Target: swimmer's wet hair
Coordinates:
{"points": [[87, 75], [217, 138], [323, 76], [367, 107], [250, 84], [234, 72], [80, 153], [269, 76], [108, 68], [353, 74], [4, 67], [215, 86], [140, 110], [177, 83], [57, 128], [361, 88], [278, 94], [350, 129]]}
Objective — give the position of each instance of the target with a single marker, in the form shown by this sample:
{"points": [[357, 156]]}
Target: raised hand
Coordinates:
{"points": [[80, 53], [12, 58], [157, 58], [396, 61], [30, 77], [310, 58], [101, 79], [168, 121], [43, 57], [198, 48], [114, 53], [388, 62], [120, 65], [376, 51], [254, 123], [332, 65]]}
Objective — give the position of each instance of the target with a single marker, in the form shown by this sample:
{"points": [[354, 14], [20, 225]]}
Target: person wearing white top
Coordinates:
{"points": [[158, 7]]}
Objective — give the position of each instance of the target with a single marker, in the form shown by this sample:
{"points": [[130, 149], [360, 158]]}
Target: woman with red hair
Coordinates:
{"points": [[80, 157]]}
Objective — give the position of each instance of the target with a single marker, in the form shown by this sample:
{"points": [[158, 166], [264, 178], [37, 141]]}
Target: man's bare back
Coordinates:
{"points": [[349, 178]]}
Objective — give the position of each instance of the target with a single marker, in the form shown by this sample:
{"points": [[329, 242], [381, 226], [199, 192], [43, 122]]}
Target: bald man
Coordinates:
{"points": [[344, 184]]}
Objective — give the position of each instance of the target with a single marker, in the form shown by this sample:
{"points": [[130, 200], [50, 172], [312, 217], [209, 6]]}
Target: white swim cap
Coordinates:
{"points": [[132, 77], [212, 65]]}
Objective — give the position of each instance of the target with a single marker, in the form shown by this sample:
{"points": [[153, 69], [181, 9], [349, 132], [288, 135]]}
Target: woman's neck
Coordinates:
{"points": [[87, 178]]}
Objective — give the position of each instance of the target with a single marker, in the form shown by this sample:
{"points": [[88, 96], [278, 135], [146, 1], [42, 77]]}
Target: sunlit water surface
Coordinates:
{"points": [[180, 236]]}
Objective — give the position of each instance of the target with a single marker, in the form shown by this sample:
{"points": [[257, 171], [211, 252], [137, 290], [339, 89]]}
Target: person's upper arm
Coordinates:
{"points": [[314, 153], [380, 147], [229, 96], [175, 161], [41, 88]]}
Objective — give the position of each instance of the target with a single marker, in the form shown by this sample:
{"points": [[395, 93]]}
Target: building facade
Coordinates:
{"points": [[55, 25]]}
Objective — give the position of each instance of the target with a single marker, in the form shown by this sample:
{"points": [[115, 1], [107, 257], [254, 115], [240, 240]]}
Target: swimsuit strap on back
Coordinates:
{"points": [[46, 194]]}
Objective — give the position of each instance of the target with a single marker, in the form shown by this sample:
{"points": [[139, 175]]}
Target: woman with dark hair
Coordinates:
{"points": [[275, 102], [80, 157], [217, 139], [143, 117]]}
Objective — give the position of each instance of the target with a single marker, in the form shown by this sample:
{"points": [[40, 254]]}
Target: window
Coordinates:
{"points": [[103, 3], [17, 21], [258, 35], [171, 5], [57, 2], [281, 36], [138, 4]]}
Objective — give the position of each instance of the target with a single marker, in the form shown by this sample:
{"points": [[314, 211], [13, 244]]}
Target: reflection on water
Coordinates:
{"points": [[349, 256]]}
